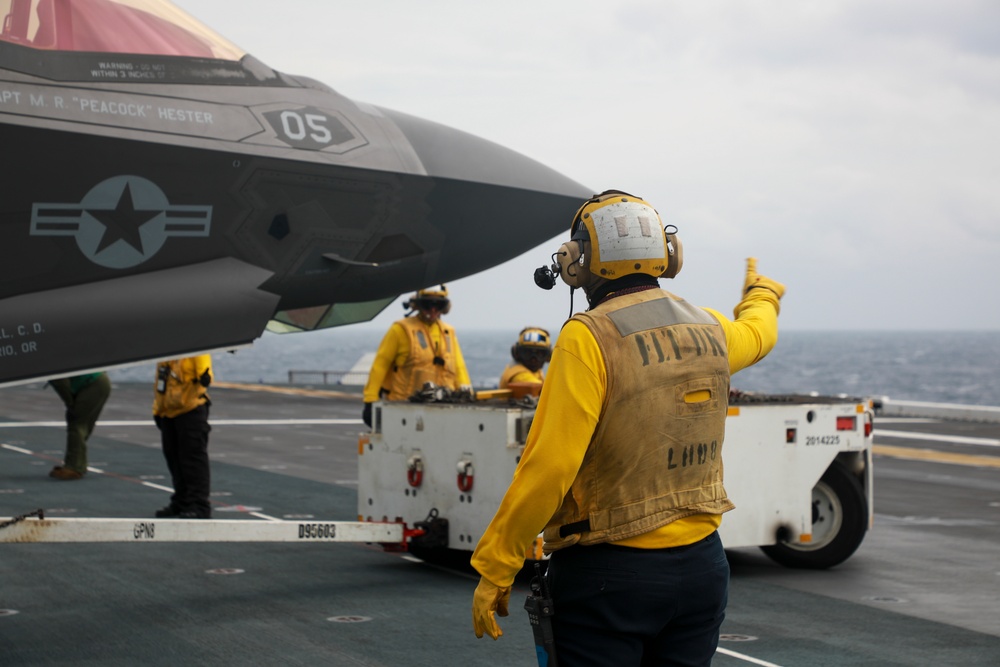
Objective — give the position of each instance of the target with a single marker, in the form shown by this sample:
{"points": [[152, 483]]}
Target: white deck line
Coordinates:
{"points": [[214, 422], [746, 658], [937, 437]]}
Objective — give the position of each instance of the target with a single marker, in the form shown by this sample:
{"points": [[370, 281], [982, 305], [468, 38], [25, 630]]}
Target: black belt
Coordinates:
{"points": [[574, 528]]}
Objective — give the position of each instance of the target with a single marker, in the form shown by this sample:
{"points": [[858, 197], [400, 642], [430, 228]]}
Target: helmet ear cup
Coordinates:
{"points": [[675, 256], [572, 264]]}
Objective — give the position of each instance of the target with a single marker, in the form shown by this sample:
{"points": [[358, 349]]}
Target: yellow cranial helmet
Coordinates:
{"points": [[430, 296], [532, 341], [534, 337], [615, 234]]}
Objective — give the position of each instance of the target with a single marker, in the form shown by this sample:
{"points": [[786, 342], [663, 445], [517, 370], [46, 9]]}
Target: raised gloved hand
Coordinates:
{"points": [[366, 415], [485, 601], [757, 287], [754, 280]]}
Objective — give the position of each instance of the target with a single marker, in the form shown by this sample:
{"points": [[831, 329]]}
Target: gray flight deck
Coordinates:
{"points": [[923, 589]]}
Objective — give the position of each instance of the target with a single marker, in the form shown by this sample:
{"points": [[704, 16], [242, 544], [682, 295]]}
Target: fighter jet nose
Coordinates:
{"points": [[447, 153], [482, 200]]}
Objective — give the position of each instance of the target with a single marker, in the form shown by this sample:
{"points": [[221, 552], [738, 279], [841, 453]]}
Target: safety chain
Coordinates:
{"points": [[40, 513]]}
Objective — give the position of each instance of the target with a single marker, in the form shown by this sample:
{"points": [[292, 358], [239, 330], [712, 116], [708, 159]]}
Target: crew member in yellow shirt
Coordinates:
{"points": [[180, 410], [530, 353], [417, 349], [622, 469]]}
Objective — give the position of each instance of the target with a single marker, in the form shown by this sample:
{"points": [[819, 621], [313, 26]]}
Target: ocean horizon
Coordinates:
{"points": [[935, 366]]}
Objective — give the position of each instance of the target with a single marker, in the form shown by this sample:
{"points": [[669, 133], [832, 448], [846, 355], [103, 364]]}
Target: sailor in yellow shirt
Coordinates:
{"points": [[530, 353], [623, 463], [180, 410], [415, 350]]}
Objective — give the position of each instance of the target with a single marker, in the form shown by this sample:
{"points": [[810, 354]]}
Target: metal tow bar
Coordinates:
{"points": [[26, 530]]}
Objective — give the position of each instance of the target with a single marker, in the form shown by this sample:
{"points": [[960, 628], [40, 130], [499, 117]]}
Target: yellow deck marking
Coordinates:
{"points": [[292, 391], [937, 456]]}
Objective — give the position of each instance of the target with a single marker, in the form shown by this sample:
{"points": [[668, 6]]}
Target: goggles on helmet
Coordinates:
{"points": [[428, 304], [534, 337]]}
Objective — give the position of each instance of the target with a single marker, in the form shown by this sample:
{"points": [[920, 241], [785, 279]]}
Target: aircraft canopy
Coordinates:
{"points": [[150, 27]]}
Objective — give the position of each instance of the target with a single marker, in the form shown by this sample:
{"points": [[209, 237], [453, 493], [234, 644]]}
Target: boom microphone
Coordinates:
{"points": [[545, 278]]}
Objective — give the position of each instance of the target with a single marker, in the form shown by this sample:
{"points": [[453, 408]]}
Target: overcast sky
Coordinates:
{"points": [[853, 146]]}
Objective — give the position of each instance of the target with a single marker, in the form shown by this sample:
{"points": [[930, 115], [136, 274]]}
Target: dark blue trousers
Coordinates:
{"points": [[620, 606], [185, 448]]}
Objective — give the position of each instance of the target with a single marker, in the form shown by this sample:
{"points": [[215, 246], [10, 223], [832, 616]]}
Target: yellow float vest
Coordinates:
{"points": [[420, 367], [656, 454], [516, 369]]}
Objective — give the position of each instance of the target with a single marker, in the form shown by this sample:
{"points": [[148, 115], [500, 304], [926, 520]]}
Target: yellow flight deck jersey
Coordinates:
{"points": [[178, 387], [564, 424], [394, 352]]}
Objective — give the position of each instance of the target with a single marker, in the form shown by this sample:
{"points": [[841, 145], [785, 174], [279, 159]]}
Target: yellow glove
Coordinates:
{"points": [[757, 287], [486, 600]]}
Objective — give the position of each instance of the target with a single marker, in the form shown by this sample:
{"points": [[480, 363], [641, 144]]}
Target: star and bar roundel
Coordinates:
{"points": [[121, 222]]}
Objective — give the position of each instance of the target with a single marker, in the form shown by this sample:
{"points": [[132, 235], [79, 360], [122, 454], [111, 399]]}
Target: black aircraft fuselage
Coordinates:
{"points": [[158, 205]]}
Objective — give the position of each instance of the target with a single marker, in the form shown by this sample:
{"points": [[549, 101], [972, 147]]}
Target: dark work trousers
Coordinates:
{"points": [[81, 417], [621, 606], [185, 447]]}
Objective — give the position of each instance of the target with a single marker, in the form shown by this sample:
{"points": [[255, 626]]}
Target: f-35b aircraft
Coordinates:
{"points": [[165, 193]]}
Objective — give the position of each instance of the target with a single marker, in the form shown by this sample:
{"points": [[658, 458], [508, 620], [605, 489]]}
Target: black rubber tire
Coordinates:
{"points": [[840, 521]]}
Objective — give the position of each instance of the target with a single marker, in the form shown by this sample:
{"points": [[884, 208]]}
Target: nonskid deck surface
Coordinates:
{"points": [[922, 588]]}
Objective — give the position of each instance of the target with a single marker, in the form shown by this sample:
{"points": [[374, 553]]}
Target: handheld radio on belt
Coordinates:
{"points": [[540, 612]]}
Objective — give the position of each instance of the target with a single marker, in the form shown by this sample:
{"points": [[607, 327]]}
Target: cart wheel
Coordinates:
{"points": [[840, 520]]}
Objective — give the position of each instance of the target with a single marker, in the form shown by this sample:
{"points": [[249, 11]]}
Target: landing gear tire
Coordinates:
{"points": [[839, 523]]}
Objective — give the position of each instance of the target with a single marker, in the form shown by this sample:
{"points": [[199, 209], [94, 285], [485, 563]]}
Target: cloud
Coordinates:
{"points": [[854, 146]]}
